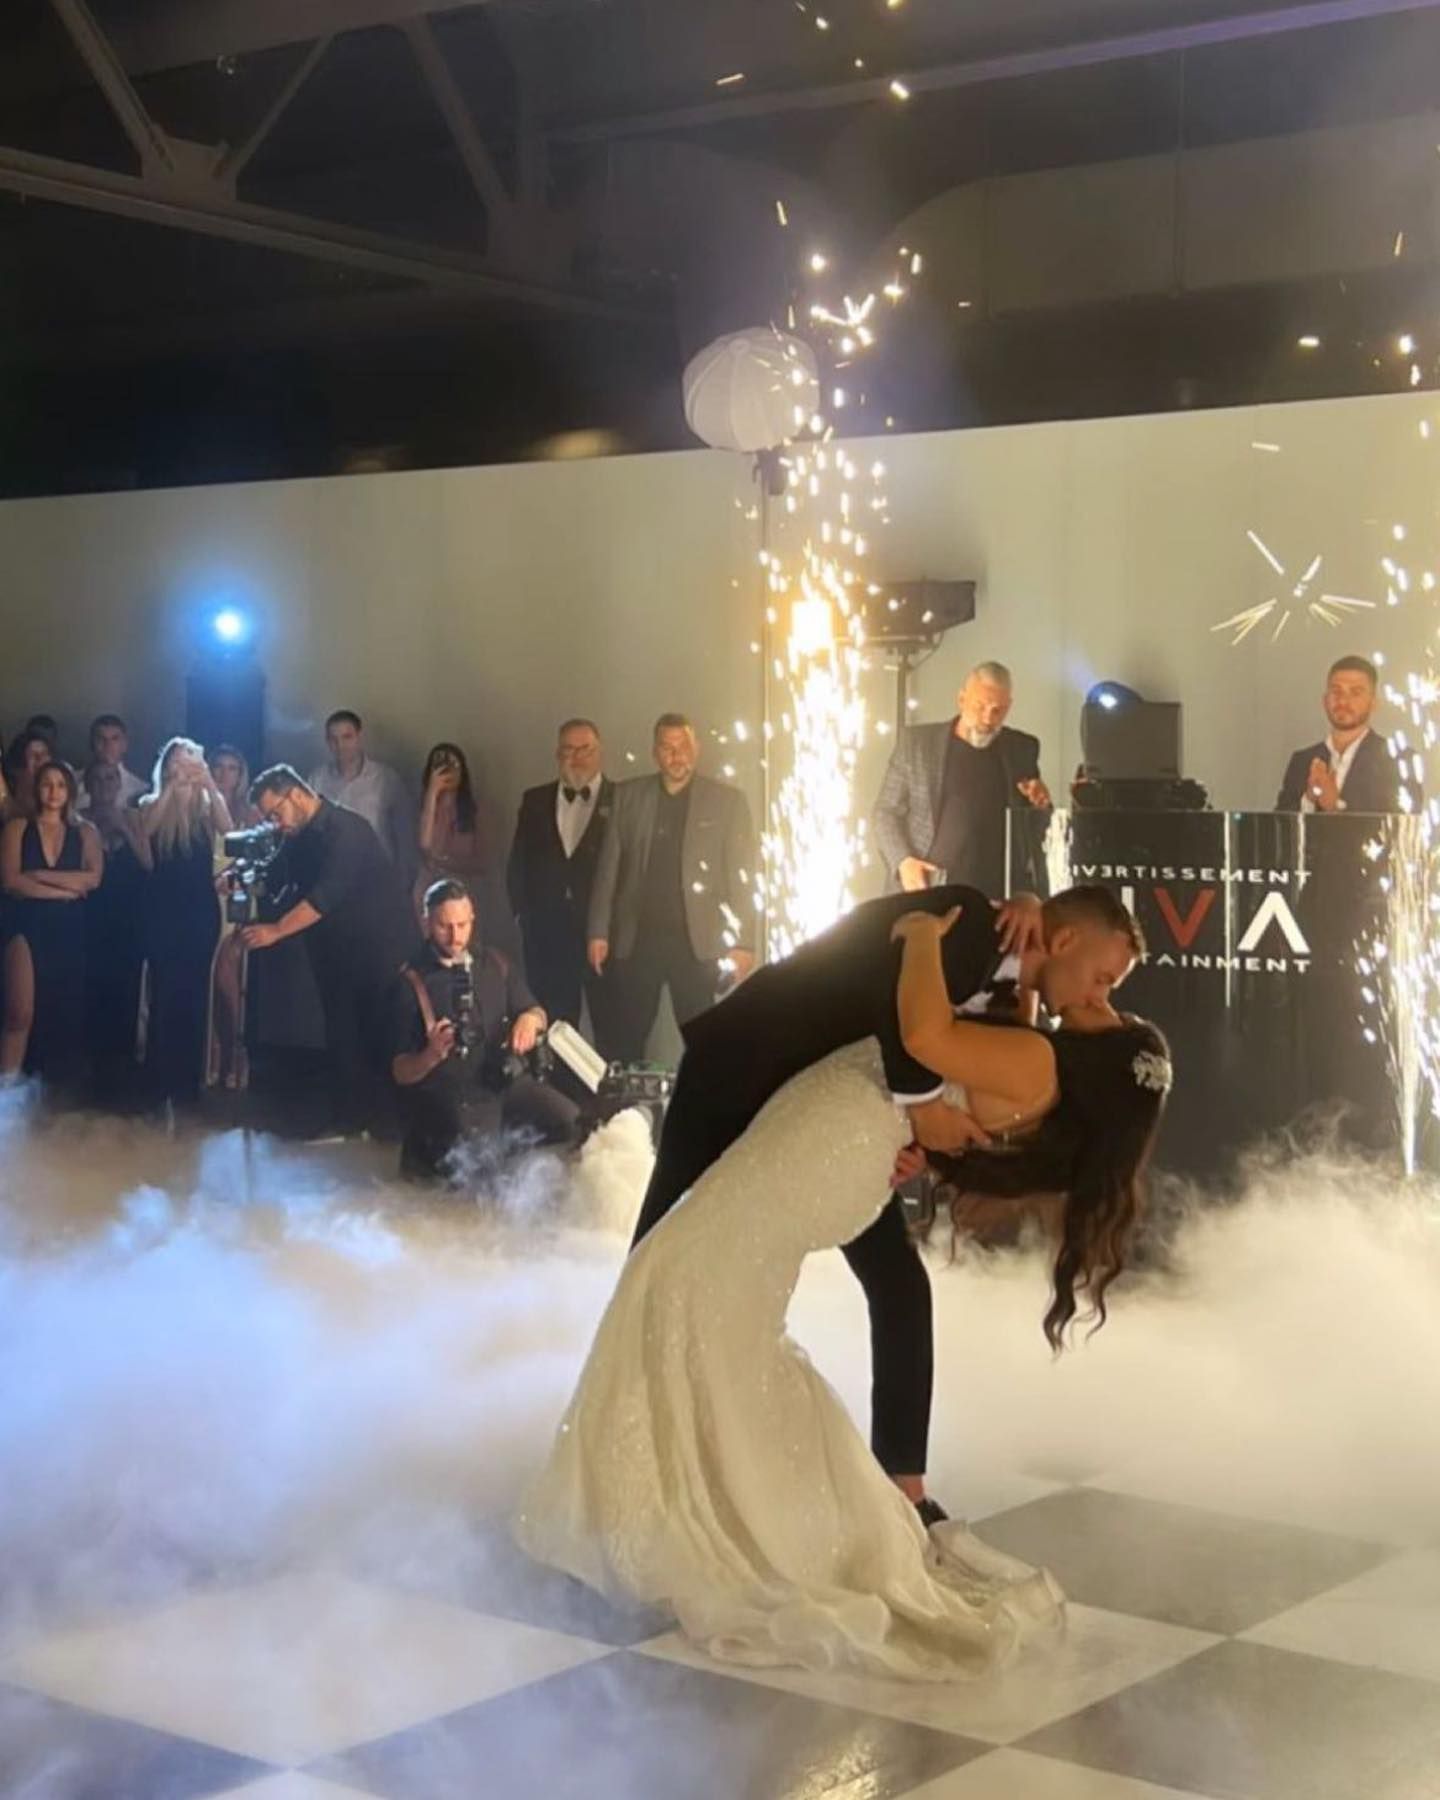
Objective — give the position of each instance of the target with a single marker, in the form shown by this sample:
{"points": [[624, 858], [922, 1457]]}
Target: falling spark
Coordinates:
{"points": [[730, 80], [1399, 243], [899, 90], [1269, 555], [1309, 341], [1325, 609], [1270, 449], [780, 212], [818, 263]]}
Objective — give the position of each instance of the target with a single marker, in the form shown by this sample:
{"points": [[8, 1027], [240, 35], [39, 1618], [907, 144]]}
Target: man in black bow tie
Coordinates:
{"points": [[552, 868]]}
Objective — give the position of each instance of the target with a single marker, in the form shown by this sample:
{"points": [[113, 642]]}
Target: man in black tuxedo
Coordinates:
{"points": [[1352, 770], [951, 790], [836, 990], [551, 871]]}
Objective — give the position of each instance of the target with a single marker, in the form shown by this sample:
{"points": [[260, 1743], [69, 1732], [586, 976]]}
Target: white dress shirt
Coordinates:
{"points": [[1340, 761], [378, 794], [573, 816]]}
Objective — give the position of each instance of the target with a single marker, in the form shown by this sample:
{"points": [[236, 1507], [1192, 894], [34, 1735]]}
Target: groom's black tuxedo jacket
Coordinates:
{"points": [[833, 991]]}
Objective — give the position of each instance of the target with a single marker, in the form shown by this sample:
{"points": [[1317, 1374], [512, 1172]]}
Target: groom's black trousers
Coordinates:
{"points": [[698, 1129]]}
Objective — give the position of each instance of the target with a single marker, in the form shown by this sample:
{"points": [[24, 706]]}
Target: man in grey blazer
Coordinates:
{"points": [[952, 788], [673, 897]]}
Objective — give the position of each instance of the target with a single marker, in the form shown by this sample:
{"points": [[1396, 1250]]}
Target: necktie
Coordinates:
{"points": [[577, 794]]}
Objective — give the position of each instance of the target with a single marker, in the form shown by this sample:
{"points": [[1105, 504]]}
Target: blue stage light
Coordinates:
{"points": [[1111, 694], [230, 626]]}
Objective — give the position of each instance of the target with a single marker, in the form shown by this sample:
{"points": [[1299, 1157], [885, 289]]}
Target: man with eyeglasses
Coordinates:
{"points": [[346, 897]]}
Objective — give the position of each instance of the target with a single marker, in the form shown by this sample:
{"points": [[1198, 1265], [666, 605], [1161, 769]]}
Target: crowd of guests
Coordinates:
{"points": [[111, 997], [123, 979], [124, 974]]}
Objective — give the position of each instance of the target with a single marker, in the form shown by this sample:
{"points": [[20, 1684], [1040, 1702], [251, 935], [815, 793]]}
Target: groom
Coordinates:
{"points": [[836, 990]]}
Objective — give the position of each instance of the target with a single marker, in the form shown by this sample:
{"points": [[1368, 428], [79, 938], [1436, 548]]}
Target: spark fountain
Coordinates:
{"points": [[1400, 963], [814, 550]]}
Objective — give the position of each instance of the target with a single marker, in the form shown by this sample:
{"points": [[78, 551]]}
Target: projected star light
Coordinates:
{"points": [[1281, 606]]}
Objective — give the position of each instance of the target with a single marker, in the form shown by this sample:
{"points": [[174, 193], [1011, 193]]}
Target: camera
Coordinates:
{"points": [[538, 1064], [254, 850], [257, 845]]}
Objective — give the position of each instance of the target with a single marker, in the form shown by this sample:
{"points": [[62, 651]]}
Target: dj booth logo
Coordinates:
{"points": [[1243, 920]]}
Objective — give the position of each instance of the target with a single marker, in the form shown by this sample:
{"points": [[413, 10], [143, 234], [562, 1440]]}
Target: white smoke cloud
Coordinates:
{"points": [[224, 1355]]}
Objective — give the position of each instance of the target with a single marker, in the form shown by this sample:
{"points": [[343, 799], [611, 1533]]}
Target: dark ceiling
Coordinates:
{"points": [[250, 238]]}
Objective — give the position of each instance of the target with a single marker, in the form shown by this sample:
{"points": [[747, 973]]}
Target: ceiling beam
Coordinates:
{"points": [[171, 35], [99, 57], [215, 214], [459, 122], [231, 164], [1161, 41]]}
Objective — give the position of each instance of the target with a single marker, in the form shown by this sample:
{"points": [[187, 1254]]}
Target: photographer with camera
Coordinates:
{"points": [[467, 1054], [342, 891]]}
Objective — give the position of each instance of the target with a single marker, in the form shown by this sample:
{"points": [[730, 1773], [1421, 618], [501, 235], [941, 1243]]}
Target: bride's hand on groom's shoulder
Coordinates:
{"points": [[1020, 924], [923, 924]]}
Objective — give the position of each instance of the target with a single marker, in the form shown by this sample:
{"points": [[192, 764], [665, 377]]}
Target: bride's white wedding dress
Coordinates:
{"points": [[705, 1466]]}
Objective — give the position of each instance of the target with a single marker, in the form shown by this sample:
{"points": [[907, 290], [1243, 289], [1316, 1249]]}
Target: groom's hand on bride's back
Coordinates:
{"points": [[909, 1163], [939, 1126]]}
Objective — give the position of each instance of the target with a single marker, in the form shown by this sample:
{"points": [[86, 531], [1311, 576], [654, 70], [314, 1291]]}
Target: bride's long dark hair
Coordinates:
{"points": [[1092, 1149]]}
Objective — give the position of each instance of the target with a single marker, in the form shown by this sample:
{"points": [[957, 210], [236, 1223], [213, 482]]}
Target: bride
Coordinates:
{"points": [[706, 1467]]}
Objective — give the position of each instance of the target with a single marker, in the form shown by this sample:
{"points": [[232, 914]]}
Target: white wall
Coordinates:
{"points": [[485, 604]]}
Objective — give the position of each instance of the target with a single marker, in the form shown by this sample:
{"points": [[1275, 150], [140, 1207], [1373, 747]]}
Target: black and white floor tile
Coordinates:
{"points": [[1207, 1656]]}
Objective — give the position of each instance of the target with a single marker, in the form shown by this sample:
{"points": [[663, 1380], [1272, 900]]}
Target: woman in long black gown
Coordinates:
{"points": [[183, 818], [115, 939], [48, 864]]}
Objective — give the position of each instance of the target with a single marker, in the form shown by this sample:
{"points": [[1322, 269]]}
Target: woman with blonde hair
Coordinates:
{"points": [[184, 819]]}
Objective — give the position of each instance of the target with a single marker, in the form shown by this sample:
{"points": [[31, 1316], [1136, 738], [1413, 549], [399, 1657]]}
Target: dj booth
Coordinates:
{"points": [[1252, 922]]}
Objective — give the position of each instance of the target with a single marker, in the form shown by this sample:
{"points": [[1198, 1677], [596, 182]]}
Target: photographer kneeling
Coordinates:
{"points": [[462, 1028], [340, 890]]}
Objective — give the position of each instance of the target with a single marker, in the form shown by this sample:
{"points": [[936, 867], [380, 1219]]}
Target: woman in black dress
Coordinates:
{"points": [[183, 818], [114, 938], [48, 864]]}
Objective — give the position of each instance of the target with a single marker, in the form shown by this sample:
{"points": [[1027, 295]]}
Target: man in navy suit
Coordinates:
{"points": [[1352, 770], [1351, 773], [953, 789]]}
